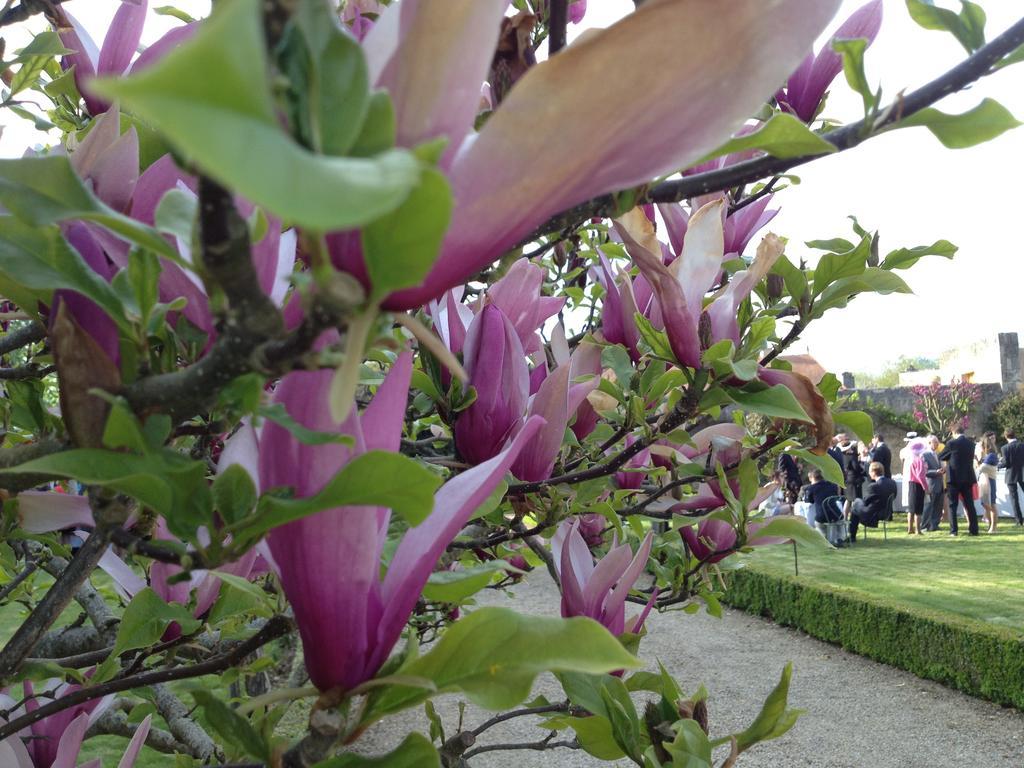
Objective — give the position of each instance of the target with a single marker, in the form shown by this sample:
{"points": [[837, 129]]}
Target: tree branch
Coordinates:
{"points": [[23, 10], [25, 335], [31, 631], [276, 627], [558, 21], [186, 730], [116, 723], [974, 67], [19, 454], [26, 372]]}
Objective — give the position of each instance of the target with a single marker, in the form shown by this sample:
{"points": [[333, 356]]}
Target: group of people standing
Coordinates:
{"points": [[936, 478]]}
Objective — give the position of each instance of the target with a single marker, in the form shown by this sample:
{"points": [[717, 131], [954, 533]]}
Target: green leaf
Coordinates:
{"points": [[234, 493], [968, 27], [690, 748], [871, 280], [146, 619], [400, 248], [795, 528], [367, 480], [594, 734], [904, 258], [494, 654], [857, 422], [415, 751], [986, 121], [46, 190], [836, 266], [211, 99], [776, 401], [783, 136], [232, 727], [656, 340], [456, 586], [794, 277], [329, 90], [169, 482], [829, 467], [378, 132], [38, 258], [774, 718], [852, 52], [835, 244], [278, 414]]}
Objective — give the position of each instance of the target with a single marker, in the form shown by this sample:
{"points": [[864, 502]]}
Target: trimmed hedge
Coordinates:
{"points": [[978, 659]]}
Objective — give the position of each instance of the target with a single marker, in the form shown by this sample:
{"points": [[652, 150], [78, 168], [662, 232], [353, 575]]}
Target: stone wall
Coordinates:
{"points": [[901, 401]]}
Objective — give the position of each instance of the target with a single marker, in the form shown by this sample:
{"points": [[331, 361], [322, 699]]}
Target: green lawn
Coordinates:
{"points": [[979, 577]]}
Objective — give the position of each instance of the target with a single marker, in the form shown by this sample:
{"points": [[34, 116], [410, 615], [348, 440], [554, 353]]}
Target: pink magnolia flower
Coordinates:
{"points": [[710, 540], [680, 287], [329, 563], [632, 480], [806, 87], [598, 591], [496, 366], [55, 741], [548, 147]]}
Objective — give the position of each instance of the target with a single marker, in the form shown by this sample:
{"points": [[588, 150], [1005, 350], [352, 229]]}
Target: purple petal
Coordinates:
{"points": [[122, 37], [135, 745], [44, 511], [126, 580], [680, 322], [552, 403], [577, 10], [550, 145], [496, 366], [863, 23], [434, 78], [723, 311], [701, 260], [676, 221], [242, 448], [421, 546], [84, 59], [163, 46], [615, 605], [606, 573], [71, 742], [383, 419]]}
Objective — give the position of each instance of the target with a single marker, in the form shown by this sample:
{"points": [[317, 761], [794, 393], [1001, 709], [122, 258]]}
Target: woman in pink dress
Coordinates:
{"points": [[917, 480]]}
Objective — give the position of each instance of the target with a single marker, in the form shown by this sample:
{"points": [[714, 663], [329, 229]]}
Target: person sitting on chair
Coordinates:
{"points": [[816, 493], [875, 504]]}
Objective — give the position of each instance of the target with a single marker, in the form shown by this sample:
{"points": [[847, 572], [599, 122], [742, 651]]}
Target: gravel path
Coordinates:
{"points": [[860, 714]]}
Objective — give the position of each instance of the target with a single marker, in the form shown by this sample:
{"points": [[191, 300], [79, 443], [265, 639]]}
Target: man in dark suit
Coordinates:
{"points": [[815, 494], [959, 454], [880, 452], [936, 486], [836, 452], [1013, 462], [875, 504]]}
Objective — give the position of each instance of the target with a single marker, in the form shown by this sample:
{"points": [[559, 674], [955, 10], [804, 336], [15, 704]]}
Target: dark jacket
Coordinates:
{"points": [[816, 493], [876, 501], [836, 454], [934, 473], [853, 470], [959, 452], [883, 456], [1013, 461]]}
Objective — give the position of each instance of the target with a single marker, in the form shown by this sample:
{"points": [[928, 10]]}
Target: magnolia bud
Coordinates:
{"points": [[704, 330], [775, 286]]}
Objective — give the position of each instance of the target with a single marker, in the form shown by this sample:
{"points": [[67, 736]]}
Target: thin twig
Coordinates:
{"points": [[276, 627], [972, 68]]}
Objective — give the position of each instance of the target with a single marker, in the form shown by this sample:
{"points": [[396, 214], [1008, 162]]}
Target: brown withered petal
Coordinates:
{"points": [[514, 54], [81, 365]]}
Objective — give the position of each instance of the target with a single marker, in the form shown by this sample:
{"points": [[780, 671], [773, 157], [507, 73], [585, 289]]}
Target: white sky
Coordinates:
{"points": [[905, 184]]}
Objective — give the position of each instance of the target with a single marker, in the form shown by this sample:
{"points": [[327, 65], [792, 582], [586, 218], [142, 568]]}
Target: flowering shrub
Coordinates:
{"points": [[326, 320], [945, 407]]}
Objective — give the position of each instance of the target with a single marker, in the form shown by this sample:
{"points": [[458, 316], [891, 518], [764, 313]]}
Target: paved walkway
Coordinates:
{"points": [[860, 714]]}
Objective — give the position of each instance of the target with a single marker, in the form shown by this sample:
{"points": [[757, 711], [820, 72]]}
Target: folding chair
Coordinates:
{"points": [[885, 519], [836, 527]]}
